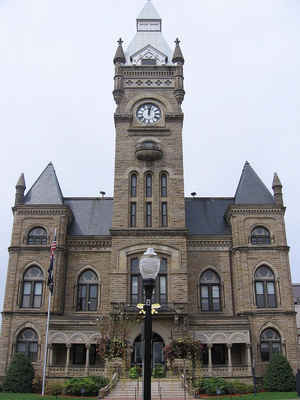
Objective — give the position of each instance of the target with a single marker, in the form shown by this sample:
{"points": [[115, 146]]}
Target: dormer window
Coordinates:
{"points": [[148, 61]]}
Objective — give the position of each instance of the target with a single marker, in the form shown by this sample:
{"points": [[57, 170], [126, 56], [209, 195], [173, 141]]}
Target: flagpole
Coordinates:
{"points": [[50, 284], [46, 345]]}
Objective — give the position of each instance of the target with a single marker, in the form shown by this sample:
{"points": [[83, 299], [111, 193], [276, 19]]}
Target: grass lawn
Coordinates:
{"points": [[29, 396], [259, 396]]}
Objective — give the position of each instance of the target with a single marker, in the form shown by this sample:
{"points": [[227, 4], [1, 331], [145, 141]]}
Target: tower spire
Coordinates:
{"points": [[119, 57], [178, 56]]}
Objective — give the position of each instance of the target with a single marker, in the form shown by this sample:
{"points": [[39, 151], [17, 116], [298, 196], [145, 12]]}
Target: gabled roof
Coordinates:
{"points": [[149, 12], [46, 189], [251, 189]]}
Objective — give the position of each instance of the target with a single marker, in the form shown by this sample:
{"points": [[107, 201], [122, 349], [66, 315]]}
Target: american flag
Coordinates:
{"points": [[50, 282]]}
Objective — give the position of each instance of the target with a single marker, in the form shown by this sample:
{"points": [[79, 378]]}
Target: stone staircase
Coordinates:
{"points": [[161, 389]]}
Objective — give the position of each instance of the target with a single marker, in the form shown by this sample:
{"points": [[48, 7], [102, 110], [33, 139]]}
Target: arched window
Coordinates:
{"points": [[133, 185], [87, 298], [37, 236], [163, 185], [160, 293], [210, 291], [27, 343], [148, 185], [270, 343], [260, 235], [32, 288], [265, 288]]}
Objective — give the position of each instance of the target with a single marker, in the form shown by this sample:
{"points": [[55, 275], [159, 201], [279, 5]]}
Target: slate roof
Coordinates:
{"points": [[149, 12], [46, 189], [296, 292], [251, 189], [91, 216], [205, 216]]}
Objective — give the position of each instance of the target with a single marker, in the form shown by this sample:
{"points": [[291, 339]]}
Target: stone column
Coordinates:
{"points": [[249, 363], [68, 358], [229, 346], [87, 359], [50, 355], [209, 359]]}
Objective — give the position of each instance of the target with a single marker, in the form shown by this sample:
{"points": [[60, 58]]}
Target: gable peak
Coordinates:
{"points": [[148, 12]]}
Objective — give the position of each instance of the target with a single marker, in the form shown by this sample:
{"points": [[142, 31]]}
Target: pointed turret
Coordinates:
{"points": [[251, 189], [46, 189], [178, 56], [20, 189], [277, 190], [120, 56], [148, 47]]}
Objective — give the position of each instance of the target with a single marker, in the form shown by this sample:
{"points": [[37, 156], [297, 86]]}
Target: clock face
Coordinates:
{"points": [[148, 113]]}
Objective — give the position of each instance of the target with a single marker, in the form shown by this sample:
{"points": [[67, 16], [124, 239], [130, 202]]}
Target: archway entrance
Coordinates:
{"points": [[157, 351]]}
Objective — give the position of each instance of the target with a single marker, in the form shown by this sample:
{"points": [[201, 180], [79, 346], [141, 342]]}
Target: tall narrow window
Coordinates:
{"points": [[27, 343], [160, 293], [163, 185], [164, 214], [32, 288], [133, 184], [87, 298], [148, 185], [148, 215], [270, 343], [210, 291], [265, 288], [133, 215]]}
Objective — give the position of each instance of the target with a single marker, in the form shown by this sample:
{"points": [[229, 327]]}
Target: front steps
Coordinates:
{"points": [[131, 389]]}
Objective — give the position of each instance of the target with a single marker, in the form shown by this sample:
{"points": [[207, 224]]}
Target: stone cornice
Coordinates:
{"points": [[123, 117], [210, 244], [83, 243], [253, 209], [149, 232], [37, 209], [265, 312], [174, 116], [260, 247], [38, 249]]}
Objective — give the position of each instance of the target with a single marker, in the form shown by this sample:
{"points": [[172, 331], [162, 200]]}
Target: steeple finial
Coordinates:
{"points": [[20, 189], [119, 57], [277, 190], [178, 56]]}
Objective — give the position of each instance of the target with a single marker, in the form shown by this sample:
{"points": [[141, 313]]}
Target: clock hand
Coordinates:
{"points": [[149, 109]]}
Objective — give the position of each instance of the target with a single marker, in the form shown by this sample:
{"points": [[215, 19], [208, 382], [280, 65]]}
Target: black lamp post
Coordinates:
{"points": [[149, 267]]}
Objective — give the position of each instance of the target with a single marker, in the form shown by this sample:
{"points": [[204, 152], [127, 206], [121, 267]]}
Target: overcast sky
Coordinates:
{"points": [[242, 100]]}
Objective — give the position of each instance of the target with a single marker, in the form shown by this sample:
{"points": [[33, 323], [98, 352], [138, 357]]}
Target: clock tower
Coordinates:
{"points": [[149, 205], [148, 90]]}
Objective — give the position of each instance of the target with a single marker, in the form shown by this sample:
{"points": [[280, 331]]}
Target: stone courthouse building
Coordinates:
{"points": [[224, 277]]}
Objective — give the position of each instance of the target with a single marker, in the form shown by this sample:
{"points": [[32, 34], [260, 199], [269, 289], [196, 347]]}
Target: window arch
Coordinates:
{"points": [[87, 291], [32, 292], [37, 235], [27, 343], [163, 185], [210, 291], [148, 185], [270, 344], [160, 293], [133, 185], [265, 293], [260, 235]]}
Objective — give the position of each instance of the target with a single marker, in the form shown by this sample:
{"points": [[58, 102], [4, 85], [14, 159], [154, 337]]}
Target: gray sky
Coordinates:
{"points": [[242, 95]]}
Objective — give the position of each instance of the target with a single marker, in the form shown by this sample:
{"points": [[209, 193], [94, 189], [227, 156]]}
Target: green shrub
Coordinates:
{"points": [[133, 373], [158, 372], [100, 381], [279, 376], [1, 388], [37, 384], [78, 386], [55, 388], [19, 376], [214, 385]]}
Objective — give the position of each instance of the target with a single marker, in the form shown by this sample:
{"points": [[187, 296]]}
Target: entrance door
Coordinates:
{"points": [[157, 351]]}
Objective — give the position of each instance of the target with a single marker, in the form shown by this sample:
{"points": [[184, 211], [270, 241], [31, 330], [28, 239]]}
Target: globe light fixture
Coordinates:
{"points": [[149, 264]]}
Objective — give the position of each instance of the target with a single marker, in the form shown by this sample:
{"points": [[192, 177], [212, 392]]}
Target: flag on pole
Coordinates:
{"points": [[50, 282]]}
